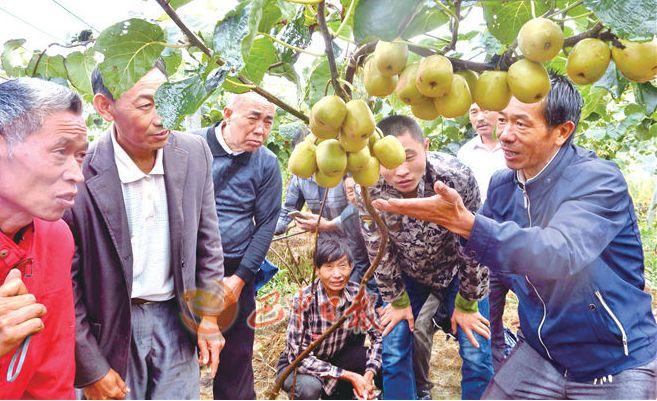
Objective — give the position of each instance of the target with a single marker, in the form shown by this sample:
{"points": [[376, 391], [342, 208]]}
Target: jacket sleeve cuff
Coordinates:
{"points": [[464, 305], [89, 377], [480, 237], [338, 223], [402, 301], [246, 274]]}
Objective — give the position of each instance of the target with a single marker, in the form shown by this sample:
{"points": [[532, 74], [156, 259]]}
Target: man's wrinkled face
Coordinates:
{"points": [[249, 121], [335, 275], [138, 126], [407, 176], [484, 122], [39, 179], [527, 140]]}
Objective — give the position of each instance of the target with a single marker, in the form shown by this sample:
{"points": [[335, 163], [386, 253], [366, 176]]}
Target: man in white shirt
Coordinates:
{"points": [[484, 155], [148, 249]]}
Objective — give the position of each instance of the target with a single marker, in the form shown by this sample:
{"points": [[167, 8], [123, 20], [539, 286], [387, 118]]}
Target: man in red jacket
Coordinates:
{"points": [[43, 139]]}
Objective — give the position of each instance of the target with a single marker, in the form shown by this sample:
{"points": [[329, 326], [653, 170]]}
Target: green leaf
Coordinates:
{"points": [[652, 132], [646, 95], [595, 100], [505, 18], [14, 57], [175, 100], [50, 68], [79, 67], [613, 81], [383, 19], [295, 33], [629, 19], [262, 55], [234, 35], [271, 14], [634, 108], [286, 70], [172, 59], [318, 81], [428, 18], [490, 44], [131, 48], [557, 64], [178, 3]]}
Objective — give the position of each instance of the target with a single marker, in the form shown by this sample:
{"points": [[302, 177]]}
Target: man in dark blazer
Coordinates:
{"points": [[147, 248], [247, 184]]}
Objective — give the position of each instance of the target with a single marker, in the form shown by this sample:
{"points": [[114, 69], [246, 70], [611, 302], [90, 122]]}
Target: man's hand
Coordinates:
{"points": [[446, 209], [308, 221], [233, 286], [110, 387], [391, 316], [20, 314], [350, 189], [210, 343], [363, 384], [469, 321], [369, 386]]}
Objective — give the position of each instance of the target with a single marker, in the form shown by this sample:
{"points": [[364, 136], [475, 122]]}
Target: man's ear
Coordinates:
{"points": [[103, 106], [227, 113], [4, 148], [564, 131], [427, 142]]}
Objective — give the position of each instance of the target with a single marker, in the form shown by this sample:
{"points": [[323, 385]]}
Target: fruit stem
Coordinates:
{"points": [[328, 49]]}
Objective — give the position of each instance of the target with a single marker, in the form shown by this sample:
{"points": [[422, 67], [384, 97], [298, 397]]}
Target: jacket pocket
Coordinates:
{"points": [[608, 324]]}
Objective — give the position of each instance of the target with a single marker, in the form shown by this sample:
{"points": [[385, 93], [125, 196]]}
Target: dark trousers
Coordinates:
{"points": [[499, 287], [234, 379], [352, 357]]}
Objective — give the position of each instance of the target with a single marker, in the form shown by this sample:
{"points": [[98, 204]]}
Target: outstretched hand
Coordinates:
{"points": [[446, 209]]}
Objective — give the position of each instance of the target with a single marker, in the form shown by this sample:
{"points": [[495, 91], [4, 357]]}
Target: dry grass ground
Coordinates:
{"points": [[293, 257]]}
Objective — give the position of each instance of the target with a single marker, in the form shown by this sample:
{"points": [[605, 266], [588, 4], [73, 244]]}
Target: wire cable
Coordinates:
{"points": [[28, 23], [75, 15]]}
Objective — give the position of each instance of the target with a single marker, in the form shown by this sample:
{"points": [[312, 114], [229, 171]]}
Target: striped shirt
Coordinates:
{"points": [[317, 314]]}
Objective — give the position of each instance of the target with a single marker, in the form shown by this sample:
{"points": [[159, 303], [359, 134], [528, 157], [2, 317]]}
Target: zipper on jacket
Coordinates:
{"points": [[615, 319], [528, 206], [540, 326]]}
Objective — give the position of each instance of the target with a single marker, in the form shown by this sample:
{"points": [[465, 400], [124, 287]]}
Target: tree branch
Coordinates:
{"points": [[383, 244], [69, 46], [455, 27], [194, 40], [591, 33], [273, 99], [328, 44], [357, 59], [199, 43]]}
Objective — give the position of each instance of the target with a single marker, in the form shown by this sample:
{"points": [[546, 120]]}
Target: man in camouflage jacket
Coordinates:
{"points": [[423, 258]]}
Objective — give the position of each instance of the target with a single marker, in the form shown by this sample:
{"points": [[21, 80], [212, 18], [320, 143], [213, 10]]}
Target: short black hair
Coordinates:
{"points": [[563, 102], [331, 247], [398, 125], [98, 85]]}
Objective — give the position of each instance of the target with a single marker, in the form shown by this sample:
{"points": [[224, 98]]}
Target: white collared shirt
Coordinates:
{"points": [[220, 138], [145, 200], [482, 161]]}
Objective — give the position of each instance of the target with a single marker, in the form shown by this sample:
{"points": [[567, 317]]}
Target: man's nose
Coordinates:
{"points": [[74, 172], [505, 134]]}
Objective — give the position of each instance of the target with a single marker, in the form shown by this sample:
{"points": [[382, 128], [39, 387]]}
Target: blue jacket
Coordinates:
{"points": [[570, 242]]}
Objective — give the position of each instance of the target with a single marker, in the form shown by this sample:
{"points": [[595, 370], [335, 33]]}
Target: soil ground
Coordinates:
{"points": [[292, 255]]}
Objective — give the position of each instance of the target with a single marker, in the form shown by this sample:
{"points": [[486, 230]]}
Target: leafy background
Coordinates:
{"points": [[275, 44]]}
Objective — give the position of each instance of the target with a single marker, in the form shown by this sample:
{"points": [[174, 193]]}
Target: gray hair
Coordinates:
{"points": [[26, 102]]}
